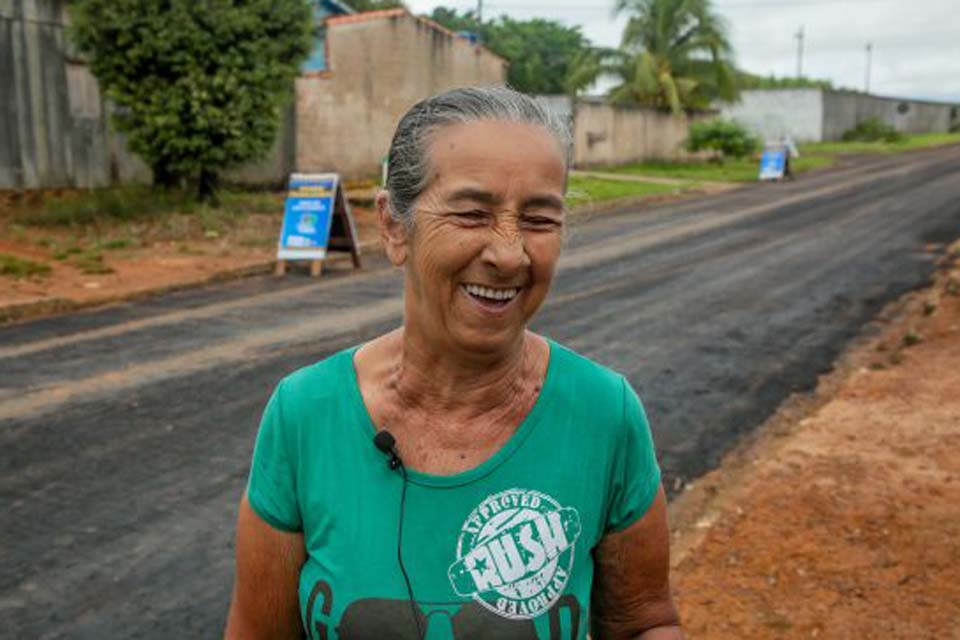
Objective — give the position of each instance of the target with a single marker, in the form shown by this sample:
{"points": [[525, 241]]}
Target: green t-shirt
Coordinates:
{"points": [[499, 551]]}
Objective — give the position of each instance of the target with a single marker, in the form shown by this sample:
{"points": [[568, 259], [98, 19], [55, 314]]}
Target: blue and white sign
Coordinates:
{"points": [[773, 164], [307, 216]]}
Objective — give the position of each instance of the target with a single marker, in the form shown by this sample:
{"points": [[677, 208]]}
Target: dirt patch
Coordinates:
{"points": [[842, 518], [95, 263]]}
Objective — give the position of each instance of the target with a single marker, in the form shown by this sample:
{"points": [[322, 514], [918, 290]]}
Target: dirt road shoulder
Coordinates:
{"points": [[841, 519]]}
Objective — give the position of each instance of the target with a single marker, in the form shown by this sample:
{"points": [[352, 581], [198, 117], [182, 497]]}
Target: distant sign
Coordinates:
{"points": [[307, 216], [773, 164]]}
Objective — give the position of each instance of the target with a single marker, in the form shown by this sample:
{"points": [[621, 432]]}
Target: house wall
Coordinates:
{"points": [[378, 68]]}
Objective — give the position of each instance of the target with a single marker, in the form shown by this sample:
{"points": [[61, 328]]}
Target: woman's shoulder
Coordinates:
{"points": [[325, 379], [585, 372], [588, 387]]}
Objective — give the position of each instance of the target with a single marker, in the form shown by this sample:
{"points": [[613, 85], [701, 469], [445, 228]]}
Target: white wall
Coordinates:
{"points": [[773, 113]]}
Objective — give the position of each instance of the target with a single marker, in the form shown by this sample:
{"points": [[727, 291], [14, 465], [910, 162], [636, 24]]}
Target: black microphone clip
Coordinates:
{"points": [[385, 442]]}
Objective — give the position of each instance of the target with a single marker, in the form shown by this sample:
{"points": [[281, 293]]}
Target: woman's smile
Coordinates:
{"points": [[491, 300]]}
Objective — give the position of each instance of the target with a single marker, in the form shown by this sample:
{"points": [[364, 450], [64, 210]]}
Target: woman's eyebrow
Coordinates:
{"points": [[545, 200], [474, 195]]}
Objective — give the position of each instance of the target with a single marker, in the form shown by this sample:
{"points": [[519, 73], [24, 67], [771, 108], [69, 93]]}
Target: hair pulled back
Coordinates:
{"points": [[408, 162]]}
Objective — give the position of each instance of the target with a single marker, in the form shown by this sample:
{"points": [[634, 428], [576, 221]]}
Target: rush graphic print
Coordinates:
{"points": [[515, 553]]}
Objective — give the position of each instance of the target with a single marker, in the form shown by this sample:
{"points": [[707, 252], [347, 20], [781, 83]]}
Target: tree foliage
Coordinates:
{"points": [[375, 5], [674, 54], [199, 84], [728, 137], [747, 80], [544, 55]]}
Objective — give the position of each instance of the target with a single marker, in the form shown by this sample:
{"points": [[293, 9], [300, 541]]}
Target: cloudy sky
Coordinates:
{"points": [[916, 43]]}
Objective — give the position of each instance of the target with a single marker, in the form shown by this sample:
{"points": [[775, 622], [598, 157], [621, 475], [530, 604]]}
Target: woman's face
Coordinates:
{"points": [[486, 236]]}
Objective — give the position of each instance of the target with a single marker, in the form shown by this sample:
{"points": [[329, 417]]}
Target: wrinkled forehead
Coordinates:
{"points": [[495, 154]]}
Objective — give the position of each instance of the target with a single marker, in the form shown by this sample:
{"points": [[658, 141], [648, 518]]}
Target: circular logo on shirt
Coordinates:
{"points": [[515, 553]]}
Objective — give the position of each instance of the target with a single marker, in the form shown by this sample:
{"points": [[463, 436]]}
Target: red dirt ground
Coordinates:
{"points": [[842, 520]]}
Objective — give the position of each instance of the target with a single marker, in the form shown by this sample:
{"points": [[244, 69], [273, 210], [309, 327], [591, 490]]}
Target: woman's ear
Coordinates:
{"points": [[393, 233]]}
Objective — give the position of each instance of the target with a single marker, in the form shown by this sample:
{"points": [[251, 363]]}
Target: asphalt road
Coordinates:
{"points": [[126, 433]]}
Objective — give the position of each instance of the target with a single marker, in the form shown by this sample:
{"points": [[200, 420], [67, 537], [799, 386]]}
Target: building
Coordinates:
{"points": [[379, 64], [817, 115], [365, 70]]}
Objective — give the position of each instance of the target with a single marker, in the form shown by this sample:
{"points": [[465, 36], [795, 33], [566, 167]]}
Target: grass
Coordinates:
{"points": [[909, 143], [20, 268], [582, 190], [129, 203], [812, 156]]}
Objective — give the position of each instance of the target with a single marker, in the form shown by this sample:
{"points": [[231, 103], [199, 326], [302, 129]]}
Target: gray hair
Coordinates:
{"points": [[408, 163]]}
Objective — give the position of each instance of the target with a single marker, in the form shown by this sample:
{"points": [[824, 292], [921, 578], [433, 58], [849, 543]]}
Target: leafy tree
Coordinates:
{"points": [[674, 55], [456, 22], [375, 5], [728, 137], [747, 80], [543, 54], [199, 84]]}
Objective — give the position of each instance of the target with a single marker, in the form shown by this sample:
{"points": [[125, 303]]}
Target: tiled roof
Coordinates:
{"points": [[367, 16]]}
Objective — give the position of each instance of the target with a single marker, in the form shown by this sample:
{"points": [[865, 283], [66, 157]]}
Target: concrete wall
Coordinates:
{"points": [[380, 65], [773, 113], [605, 134], [53, 121], [843, 111], [815, 115]]}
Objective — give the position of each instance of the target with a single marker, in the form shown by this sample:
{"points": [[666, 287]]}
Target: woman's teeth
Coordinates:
{"points": [[490, 294]]}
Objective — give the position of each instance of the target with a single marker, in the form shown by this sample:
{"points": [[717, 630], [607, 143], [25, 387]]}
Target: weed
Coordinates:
{"points": [[929, 307], [63, 254], [911, 338], [116, 244], [91, 263], [20, 268]]}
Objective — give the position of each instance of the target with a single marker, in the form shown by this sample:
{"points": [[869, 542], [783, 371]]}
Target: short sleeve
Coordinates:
{"points": [[272, 489], [636, 474]]}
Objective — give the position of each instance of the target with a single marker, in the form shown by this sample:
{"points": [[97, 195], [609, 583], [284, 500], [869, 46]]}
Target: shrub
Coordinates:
{"points": [[872, 130], [728, 137], [198, 86]]}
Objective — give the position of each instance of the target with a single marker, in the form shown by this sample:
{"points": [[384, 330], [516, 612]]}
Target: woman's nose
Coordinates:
{"points": [[505, 251]]}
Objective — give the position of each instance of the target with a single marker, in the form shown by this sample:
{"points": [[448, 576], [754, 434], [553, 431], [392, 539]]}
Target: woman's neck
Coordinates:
{"points": [[441, 381]]}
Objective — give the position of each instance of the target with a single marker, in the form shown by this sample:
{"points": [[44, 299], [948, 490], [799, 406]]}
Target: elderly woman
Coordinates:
{"points": [[459, 477]]}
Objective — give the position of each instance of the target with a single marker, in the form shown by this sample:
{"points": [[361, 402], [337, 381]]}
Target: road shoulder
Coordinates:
{"points": [[841, 516]]}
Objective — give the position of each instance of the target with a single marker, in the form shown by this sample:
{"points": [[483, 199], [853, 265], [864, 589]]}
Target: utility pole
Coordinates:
{"points": [[479, 11], [799, 36], [869, 56]]}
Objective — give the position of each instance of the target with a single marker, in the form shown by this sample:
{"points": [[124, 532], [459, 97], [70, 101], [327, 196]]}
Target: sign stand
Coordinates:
{"points": [[316, 218], [773, 163]]}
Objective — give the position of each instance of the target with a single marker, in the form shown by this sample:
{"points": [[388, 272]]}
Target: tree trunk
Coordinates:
{"points": [[207, 187], [164, 178]]}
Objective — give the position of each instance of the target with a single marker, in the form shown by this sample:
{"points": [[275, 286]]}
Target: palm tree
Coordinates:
{"points": [[674, 55]]}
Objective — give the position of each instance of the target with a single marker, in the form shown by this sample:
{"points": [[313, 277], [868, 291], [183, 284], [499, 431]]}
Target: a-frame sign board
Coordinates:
{"points": [[316, 219]]}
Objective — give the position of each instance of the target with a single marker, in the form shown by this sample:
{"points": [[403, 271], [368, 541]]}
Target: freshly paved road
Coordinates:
{"points": [[126, 433]]}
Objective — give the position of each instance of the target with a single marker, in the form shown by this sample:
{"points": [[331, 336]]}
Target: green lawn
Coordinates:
{"points": [[581, 190], [812, 156], [909, 143]]}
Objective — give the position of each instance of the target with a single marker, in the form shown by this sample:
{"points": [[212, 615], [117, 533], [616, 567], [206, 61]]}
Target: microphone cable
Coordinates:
{"points": [[385, 442], [403, 569]]}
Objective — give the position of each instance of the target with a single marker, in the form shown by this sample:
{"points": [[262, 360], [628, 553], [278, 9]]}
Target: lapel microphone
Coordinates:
{"points": [[385, 442]]}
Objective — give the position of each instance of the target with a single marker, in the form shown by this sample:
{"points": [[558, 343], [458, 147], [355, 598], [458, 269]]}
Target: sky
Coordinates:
{"points": [[916, 43]]}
